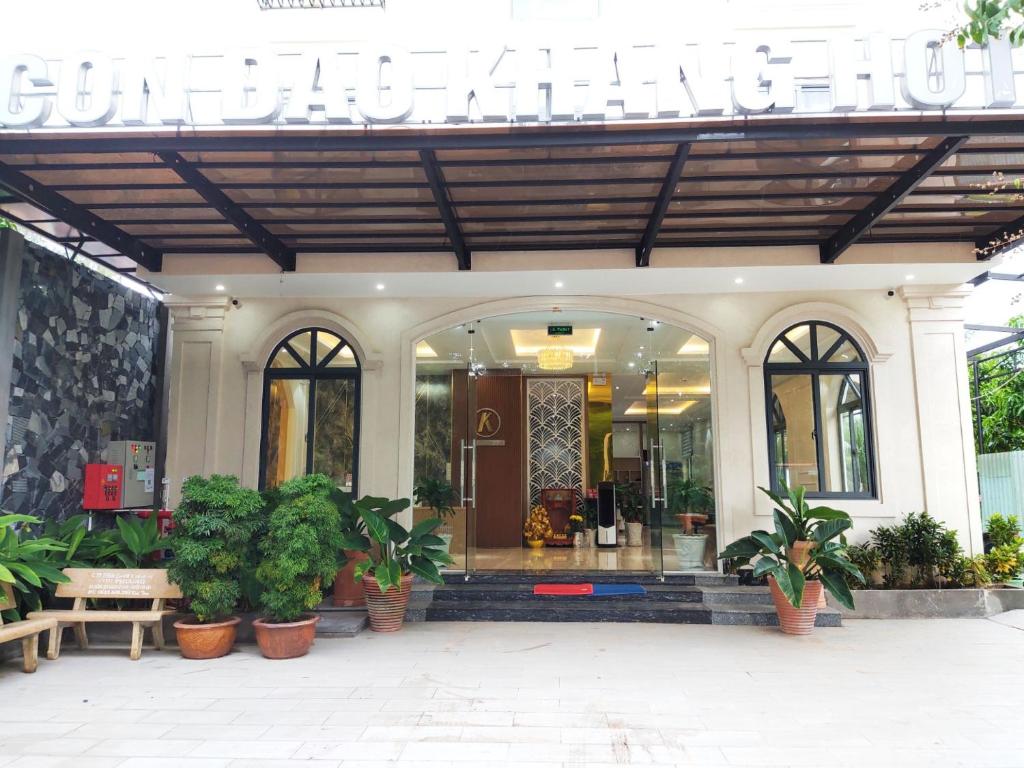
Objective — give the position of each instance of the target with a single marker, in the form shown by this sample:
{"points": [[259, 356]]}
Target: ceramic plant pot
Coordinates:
{"points": [[797, 621], [799, 554], [535, 543], [288, 640], [634, 534], [205, 641], [386, 610], [590, 537], [577, 540], [690, 549], [447, 539], [348, 593]]}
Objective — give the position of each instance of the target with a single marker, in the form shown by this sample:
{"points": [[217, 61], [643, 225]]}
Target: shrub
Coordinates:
{"points": [[1005, 559], [214, 527], [302, 548], [966, 572], [23, 562], [868, 561], [915, 551]]}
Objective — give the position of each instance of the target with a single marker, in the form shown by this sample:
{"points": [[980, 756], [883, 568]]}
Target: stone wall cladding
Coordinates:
{"points": [[83, 375]]}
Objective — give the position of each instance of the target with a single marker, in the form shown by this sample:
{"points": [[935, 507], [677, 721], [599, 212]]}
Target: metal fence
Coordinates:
{"points": [[1001, 480]]}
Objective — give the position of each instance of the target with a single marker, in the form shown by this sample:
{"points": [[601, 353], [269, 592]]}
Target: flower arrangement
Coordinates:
{"points": [[538, 525], [575, 524]]}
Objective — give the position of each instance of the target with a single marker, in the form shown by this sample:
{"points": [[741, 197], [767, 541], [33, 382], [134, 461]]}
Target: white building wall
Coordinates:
{"points": [[924, 447]]}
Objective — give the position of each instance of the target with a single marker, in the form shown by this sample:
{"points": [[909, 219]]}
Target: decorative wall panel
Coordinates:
{"points": [[555, 435], [83, 374]]}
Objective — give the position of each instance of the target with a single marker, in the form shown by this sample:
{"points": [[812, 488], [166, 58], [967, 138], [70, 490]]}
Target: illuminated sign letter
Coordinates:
{"points": [[251, 94], [1000, 90], [85, 94], [21, 105], [920, 73], [471, 78], [144, 86], [317, 85], [762, 78], [380, 65]]}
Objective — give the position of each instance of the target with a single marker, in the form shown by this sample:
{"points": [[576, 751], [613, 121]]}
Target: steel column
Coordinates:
{"points": [[435, 177], [661, 204]]}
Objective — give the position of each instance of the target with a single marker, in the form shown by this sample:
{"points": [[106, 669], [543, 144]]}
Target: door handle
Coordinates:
{"points": [[472, 471], [462, 471], [656, 465], [467, 450]]}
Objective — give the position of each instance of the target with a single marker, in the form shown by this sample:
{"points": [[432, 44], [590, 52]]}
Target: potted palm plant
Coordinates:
{"points": [[632, 509], [348, 593], [395, 554], [690, 502], [437, 494], [301, 551], [213, 527], [805, 554]]}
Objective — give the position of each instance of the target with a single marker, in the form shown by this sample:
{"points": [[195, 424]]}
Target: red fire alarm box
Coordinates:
{"points": [[103, 486]]}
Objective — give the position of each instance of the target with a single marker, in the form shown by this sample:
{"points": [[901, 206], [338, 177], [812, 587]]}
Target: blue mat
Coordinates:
{"points": [[619, 589]]}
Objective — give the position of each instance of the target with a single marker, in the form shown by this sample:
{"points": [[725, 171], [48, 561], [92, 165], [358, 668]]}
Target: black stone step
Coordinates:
{"points": [[524, 592], [710, 579], [586, 611]]}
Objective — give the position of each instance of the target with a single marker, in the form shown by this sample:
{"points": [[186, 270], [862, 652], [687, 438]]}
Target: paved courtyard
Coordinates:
{"points": [[873, 693]]}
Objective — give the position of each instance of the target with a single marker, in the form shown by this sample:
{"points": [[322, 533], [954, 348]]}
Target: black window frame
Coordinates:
{"points": [[819, 363], [314, 372]]}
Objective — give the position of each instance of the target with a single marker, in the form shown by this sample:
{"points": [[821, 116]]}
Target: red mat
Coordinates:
{"points": [[563, 589]]}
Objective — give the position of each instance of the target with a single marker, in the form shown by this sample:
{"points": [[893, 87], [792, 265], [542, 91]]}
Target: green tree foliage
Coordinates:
{"points": [[988, 19], [1001, 400], [1005, 557], [301, 549], [215, 526]]}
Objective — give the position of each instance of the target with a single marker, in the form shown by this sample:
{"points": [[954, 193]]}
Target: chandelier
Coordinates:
{"points": [[554, 359]]}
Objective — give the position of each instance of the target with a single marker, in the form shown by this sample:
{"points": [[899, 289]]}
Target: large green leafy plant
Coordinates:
{"points": [[214, 527], [133, 542], [399, 551], [301, 550], [686, 495], [436, 493], [778, 556], [631, 502], [1005, 557], [23, 561]]}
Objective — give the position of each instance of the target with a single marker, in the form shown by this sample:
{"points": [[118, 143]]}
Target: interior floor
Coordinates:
{"points": [[626, 559]]}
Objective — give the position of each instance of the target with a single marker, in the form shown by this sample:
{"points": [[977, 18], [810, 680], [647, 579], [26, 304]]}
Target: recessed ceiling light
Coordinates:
{"points": [[380, 286], [559, 284], [632, 365], [219, 287], [909, 277], [738, 281]]}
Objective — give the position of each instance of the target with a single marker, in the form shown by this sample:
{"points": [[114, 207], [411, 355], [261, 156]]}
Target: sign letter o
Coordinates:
{"points": [[374, 103]]}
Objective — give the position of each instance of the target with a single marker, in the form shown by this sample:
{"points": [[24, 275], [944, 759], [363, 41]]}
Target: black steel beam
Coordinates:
{"points": [[853, 230], [58, 206], [435, 177], [1001, 240], [788, 129], [230, 210], [661, 205]]}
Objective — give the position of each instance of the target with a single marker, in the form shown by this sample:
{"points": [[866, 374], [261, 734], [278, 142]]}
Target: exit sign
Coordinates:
{"points": [[559, 330]]}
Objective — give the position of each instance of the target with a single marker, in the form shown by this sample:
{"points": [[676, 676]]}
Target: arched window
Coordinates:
{"points": [[816, 387], [311, 410]]}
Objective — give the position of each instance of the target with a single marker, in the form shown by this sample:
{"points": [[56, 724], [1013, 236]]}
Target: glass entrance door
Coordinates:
{"points": [[656, 486], [468, 458]]}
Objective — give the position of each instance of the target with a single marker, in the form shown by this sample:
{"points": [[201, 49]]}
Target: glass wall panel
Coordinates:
{"points": [[797, 462], [287, 429], [334, 437]]}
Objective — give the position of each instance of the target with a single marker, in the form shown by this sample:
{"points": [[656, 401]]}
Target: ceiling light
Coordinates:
{"points": [[219, 287], [380, 286], [554, 359], [632, 365], [559, 284], [909, 277], [528, 342], [639, 408], [423, 349], [738, 281], [696, 346]]}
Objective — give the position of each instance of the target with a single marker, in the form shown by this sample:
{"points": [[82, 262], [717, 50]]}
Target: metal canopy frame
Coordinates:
{"points": [[770, 182]]}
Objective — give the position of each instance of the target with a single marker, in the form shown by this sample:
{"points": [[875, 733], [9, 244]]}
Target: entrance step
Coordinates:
{"points": [[677, 600], [596, 577]]}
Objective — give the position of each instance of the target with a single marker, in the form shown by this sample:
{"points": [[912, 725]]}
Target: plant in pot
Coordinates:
{"points": [[632, 509], [300, 552], [590, 520], [213, 527], [537, 527], [692, 504], [438, 495], [348, 593], [805, 554], [395, 554]]}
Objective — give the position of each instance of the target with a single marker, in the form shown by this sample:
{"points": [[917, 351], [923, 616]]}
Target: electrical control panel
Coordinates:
{"points": [[103, 487], [138, 458]]}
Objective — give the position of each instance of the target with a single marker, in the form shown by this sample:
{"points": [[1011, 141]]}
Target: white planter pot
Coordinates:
{"points": [[690, 549], [590, 537], [447, 539], [634, 534]]}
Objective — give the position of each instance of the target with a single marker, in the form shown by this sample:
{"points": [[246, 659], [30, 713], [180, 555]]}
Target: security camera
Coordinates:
{"points": [[890, 293], [236, 303]]}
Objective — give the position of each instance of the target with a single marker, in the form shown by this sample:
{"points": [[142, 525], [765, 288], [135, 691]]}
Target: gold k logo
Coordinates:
{"points": [[488, 422]]}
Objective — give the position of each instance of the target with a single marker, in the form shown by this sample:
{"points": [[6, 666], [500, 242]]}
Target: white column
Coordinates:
{"points": [[942, 393], [197, 335]]}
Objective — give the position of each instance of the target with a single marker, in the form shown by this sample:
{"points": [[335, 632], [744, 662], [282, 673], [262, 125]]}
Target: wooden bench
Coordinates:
{"points": [[111, 583], [27, 631]]}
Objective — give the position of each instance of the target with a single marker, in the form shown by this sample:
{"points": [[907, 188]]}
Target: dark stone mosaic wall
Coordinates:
{"points": [[83, 375]]}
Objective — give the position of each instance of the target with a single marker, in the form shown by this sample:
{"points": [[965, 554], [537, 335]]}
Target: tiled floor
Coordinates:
{"points": [[586, 559], [881, 693]]}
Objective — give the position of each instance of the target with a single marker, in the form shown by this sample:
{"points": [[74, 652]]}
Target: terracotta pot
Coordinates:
{"points": [[386, 610], [687, 520], [797, 621], [205, 641], [348, 593], [288, 640], [799, 554]]}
